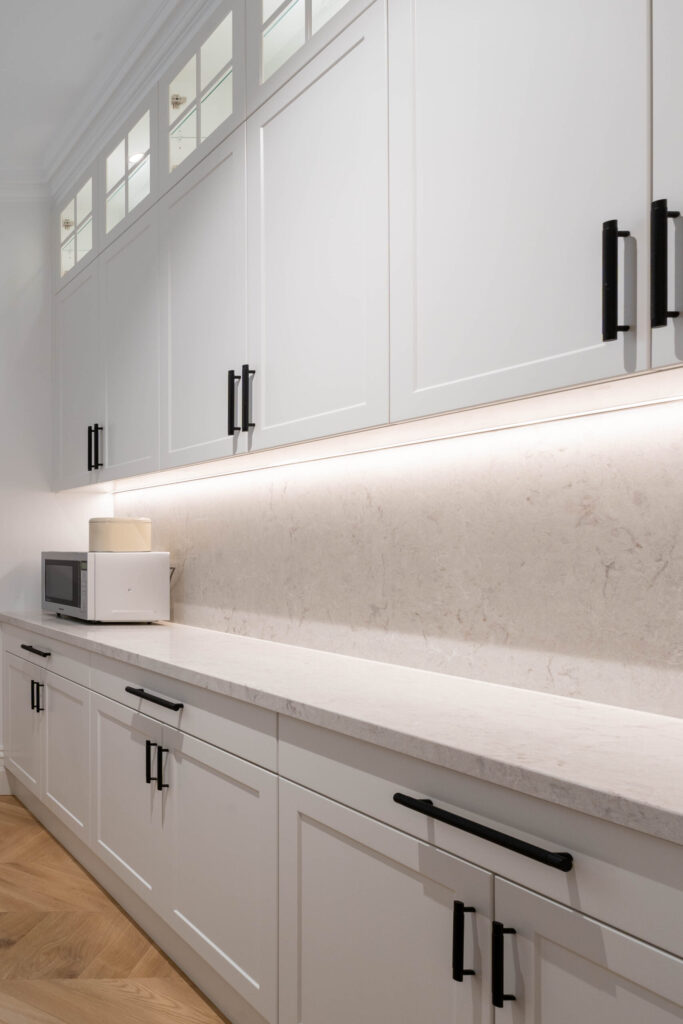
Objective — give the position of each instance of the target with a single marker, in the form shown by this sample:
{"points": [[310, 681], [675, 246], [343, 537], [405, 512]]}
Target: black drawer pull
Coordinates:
{"points": [[148, 777], [33, 695], [459, 911], [561, 861], [232, 380], [160, 767], [34, 650], [137, 691], [498, 996], [610, 279], [39, 686], [659, 262]]}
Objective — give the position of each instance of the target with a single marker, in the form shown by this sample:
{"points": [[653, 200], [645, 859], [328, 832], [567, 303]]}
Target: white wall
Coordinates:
{"points": [[31, 517]]}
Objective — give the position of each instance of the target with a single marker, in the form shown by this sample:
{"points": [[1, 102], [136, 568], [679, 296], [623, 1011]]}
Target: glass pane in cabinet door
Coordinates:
{"points": [[182, 90], [216, 106], [66, 221], [84, 239], [68, 259], [323, 10], [216, 52], [84, 202], [116, 165], [283, 36], [138, 184], [183, 139], [138, 141], [116, 206]]}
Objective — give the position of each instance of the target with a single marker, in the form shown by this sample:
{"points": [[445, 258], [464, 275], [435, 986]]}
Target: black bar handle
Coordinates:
{"points": [[498, 994], [39, 686], [247, 374], [34, 650], [148, 762], [459, 911], [160, 767], [610, 279], [659, 262], [137, 691], [90, 461], [33, 695], [561, 861], [232, 380], [97, 430]]}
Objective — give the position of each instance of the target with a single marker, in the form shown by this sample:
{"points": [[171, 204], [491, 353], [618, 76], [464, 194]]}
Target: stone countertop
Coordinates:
{"points": [[614, 763]]}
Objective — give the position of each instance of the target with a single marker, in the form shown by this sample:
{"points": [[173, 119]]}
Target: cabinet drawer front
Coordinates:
{"points": [[232, 725], [625, 878], [63, 659], [367, 922]]}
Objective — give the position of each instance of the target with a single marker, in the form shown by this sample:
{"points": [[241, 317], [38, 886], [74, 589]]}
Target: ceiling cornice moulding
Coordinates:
{"points": [[120, 88]]}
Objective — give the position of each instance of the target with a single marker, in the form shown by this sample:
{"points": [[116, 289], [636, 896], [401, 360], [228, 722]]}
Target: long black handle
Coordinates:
{"points": [[561, 861], [659, 262], [148, 762], [247, 374], [90, 460], [97, 430], [33, 695], [39, 686], [498, 994], [160, 767], [610, 279], [459, 911], [137, 691], [34, 650], [232, 380]]}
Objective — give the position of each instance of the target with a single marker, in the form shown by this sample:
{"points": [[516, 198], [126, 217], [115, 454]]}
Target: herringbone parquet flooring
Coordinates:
{"points": [[68, 953]]}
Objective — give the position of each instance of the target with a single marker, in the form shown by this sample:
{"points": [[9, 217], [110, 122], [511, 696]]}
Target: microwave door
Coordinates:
{"points": [[62, 582]]}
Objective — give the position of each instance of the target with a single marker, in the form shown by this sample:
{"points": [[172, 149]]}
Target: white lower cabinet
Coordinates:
{"points": [[23, 732], [564, 968], [129, 813], [224, 864], [370, 922], [66, 752]]}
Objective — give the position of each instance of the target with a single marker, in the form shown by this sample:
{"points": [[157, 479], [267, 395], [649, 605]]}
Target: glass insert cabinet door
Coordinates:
{"points": [[202, 93], [128, 171], [76, 227], [286, 25]]}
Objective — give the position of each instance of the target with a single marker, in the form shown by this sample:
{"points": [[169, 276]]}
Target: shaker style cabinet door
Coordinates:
{"points": [[376, 925], [130, 323], [203, 254], [23, 726], [516, 130], [78, 371], [66, 752], [223, 898], [128, 812], [564, 968], [318, 244], [667, 183]]}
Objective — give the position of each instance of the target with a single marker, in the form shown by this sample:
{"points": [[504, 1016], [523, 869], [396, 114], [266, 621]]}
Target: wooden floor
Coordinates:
{"points": [[68, 953]]}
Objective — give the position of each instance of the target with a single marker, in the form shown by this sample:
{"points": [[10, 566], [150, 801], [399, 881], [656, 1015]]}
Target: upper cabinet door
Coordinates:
{"points": [[516, 130], [203, 251], [564, 968], [667, 180], [78, 371], [130, 318], [318, 244]]}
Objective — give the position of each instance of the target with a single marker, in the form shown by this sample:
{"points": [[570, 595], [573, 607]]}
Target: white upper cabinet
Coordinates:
{"points": [[283, 35], [202, 97], [317, 182], [130, 170], [76, 229], [516, 130], [130, 324], [561, 967], [203, 271], [667, 184], [78, 363]]}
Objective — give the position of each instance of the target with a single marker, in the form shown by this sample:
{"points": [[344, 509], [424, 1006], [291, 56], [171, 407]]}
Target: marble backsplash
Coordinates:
{"points": [[547, 556]]}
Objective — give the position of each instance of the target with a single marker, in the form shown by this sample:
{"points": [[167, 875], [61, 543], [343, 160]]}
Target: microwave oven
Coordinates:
{"points": [[107, 586]]}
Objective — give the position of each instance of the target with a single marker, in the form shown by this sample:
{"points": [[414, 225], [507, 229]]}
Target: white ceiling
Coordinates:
{"points": [[56, 56]]}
